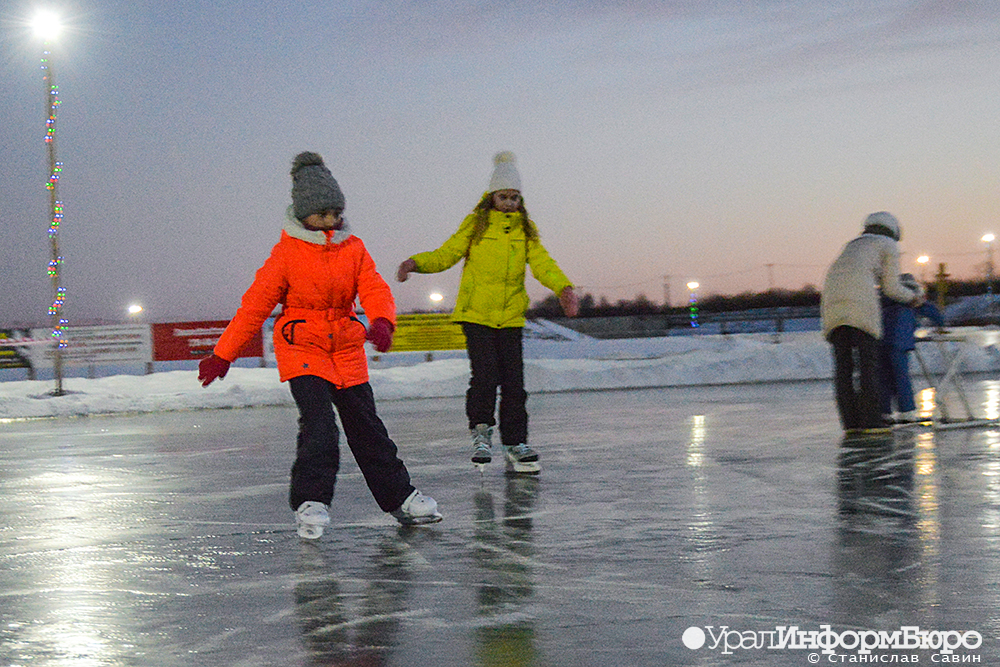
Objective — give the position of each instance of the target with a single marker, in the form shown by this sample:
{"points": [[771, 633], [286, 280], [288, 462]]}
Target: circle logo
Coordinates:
{"points": [[693, 638]]}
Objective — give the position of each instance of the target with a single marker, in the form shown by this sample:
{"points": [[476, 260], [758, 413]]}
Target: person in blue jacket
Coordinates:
{"points": [[899, 324]]}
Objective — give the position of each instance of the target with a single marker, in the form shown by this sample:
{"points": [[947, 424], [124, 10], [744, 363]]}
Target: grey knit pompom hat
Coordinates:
{"points": [[314, 189]]}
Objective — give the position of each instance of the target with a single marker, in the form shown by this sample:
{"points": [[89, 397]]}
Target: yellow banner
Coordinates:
{"points": [[427, 332]]}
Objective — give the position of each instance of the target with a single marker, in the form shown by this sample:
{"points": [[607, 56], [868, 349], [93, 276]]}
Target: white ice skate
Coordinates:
{"points": [[417, 510], [311, 518], [482, 445], [521, 460]]}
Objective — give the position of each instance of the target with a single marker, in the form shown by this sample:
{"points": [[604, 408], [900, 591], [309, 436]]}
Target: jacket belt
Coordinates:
{"points": [[330, 314]]}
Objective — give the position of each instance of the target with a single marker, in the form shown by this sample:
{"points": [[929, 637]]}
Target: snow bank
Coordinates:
{"points": [[550, 365]]}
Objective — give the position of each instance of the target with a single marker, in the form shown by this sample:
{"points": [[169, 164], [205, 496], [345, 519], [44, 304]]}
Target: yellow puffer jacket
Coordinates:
{"points": [[492, 291]]}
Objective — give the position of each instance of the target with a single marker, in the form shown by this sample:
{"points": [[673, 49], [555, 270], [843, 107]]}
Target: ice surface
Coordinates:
{"points": [[165, 538]]}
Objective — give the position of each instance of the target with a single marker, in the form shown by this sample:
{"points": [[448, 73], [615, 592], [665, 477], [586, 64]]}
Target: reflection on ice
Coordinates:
{"points": [[888, 554], [504, 553], [343, 626], [991, 400]]}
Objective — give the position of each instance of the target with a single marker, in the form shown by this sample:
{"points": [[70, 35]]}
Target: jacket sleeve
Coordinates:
{"points": [[931, 312], [889, 280], [268, 289], [373, 292], [450, 252], [545, 269]]}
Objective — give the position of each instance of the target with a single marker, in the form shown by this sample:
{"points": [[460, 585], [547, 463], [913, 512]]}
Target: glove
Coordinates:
{"points": [[212, 368], [380, 334], [405, 269]]}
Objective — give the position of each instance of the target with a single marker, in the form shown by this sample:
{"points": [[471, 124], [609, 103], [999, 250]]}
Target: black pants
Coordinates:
{"points": [[856, 378], [496, 357], [317, 459]]}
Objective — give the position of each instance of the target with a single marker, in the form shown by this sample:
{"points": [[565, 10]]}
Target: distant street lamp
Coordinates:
{"points": [[988, 239], [47, 26], [923, 261], [134, 309], [436, 299]]}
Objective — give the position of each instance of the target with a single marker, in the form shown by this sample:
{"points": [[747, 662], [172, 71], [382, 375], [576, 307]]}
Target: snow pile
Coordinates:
{"points": [[550, 365]]}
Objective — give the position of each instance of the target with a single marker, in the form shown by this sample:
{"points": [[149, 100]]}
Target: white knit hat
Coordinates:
{"points": [[505, 176]]}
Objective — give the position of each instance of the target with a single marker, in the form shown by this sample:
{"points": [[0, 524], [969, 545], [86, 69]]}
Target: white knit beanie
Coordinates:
{"points": [[505, 176]]}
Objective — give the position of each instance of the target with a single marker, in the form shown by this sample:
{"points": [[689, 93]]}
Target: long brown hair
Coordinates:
{"points": [[482, 211]]}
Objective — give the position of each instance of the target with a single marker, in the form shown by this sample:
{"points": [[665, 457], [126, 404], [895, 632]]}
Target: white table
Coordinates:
{"points": [[953, 345]]}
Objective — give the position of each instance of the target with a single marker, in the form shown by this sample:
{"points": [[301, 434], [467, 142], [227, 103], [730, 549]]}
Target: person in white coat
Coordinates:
{"points": [[852, 317]]}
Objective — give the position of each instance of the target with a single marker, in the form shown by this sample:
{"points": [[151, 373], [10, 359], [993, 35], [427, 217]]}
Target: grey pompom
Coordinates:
{"points": [[306, 159]]}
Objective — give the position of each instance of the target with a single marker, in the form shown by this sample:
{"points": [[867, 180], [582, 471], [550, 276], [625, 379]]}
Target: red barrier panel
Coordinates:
{"points": [[181, 341]]}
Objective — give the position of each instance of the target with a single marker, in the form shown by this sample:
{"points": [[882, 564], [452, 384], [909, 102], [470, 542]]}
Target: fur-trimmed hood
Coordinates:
{"points": [[296, 230]]}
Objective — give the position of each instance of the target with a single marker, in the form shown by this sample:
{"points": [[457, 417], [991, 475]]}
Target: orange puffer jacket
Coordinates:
{"points": [[316, 277]]}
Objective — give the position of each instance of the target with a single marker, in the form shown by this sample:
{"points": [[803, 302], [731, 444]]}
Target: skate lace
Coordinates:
{"points": [[482, 438], [521, 450]]}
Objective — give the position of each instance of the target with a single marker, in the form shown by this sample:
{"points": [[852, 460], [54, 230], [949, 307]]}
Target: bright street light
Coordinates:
{"points": [[134, 309], [46, 25], [693, 285], [923, 260], [436, 297]]}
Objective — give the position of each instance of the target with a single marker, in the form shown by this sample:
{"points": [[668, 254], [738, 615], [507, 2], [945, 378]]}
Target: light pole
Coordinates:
{"points": [[988, 239], [693, 302], [47, 27]]}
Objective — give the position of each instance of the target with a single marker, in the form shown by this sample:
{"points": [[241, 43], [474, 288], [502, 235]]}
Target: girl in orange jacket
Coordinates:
{"points": [[316, 271]]}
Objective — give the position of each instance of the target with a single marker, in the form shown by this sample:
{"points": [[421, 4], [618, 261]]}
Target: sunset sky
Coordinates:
{"points": [[740, 144]]}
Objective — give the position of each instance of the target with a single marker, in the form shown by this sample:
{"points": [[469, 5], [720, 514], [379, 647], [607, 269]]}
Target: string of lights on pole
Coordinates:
{"points": [[47, 26], [693, 303]]}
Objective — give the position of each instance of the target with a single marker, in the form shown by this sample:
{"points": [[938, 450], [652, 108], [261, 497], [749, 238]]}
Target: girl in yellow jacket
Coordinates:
{"points": [[498, 241]]}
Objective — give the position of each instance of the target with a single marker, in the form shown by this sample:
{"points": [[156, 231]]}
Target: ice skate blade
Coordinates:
{"points": [[308, 531], [865, 432], [420, 520], [916, 423], [528, 468]]}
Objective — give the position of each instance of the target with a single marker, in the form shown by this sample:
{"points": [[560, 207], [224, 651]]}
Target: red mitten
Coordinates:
{"points": [[380, 334], [212, 368]]}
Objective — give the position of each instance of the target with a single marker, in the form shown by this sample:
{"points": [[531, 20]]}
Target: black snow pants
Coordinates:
{"points": [[317, 459], [496, 358], [856, 378]]}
